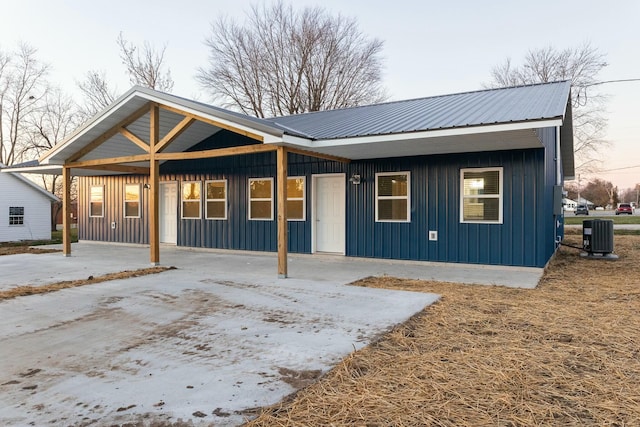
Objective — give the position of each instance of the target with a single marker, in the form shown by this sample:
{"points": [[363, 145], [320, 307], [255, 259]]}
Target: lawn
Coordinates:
{"points": [[566, 353], [571, 219], [27, 246]]}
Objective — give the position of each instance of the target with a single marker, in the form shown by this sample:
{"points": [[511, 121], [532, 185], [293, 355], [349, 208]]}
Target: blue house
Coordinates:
{"points": [[472, 177]]}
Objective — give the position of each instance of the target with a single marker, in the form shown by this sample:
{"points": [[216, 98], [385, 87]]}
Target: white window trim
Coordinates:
{"points": [[16, 216], [206, 200], [182, 201], [259, 199], [91, 201], [407, 197], [483, 196], [129, 201], [303, 198]]}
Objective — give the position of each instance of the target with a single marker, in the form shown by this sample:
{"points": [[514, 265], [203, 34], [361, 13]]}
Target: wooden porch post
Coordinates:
{"points": [[66, 211], [282, 212], [154, 182]]}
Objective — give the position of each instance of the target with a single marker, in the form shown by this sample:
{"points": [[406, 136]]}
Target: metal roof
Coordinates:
{"points": [[486, 107]]}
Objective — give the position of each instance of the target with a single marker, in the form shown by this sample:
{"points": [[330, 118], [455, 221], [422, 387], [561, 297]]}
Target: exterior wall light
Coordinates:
{"points": [[355, 179]]}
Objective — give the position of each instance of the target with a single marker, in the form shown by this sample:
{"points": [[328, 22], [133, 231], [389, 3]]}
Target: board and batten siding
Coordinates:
{"points": [[525, 238], [37, 210]]}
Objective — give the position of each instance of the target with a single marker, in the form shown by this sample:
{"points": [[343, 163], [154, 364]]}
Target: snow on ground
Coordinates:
{"points": [[207, 343]]}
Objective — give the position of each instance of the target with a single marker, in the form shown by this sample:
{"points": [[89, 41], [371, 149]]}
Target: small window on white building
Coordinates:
{"points": [[16, 215], [132, 201], [96, 201], [191, 200], [216, 199], [296, 198], [393, 202], [261, 199], [481, 195]]}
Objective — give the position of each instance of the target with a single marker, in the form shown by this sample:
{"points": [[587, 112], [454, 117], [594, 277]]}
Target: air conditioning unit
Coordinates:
{"points": [[597, 236]]}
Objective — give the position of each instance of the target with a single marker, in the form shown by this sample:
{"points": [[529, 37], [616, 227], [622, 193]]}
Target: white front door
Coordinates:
{"points": [[329, 213], [168, 209]]}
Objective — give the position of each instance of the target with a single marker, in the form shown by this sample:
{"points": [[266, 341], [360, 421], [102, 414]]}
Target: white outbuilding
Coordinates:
{"points": [[25, 209]]}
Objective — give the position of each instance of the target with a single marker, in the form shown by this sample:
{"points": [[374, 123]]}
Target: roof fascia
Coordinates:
{"points": [[424, 134], [269, 134]]}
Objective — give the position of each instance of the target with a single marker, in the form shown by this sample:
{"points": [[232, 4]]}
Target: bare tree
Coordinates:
{"points": [[23, 85], [283, 61], [98, 94], [581, 66], [145, 66], [54, 119]]}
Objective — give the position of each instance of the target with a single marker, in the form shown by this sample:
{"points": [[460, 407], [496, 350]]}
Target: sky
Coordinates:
{"points": [[430, 48]]}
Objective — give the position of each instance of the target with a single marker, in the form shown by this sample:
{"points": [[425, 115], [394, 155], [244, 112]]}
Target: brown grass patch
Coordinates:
{"points": [[566, 353], [14, 250], [20, 291]]}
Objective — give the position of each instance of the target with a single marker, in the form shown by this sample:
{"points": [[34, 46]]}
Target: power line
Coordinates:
{"points": [[618, 169]]}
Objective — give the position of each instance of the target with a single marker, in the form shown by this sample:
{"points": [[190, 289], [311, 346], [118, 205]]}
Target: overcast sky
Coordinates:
{"points": [[431, 47]]}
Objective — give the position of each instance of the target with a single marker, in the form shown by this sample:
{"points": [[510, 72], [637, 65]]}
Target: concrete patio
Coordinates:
{"points": [[206, 343]]}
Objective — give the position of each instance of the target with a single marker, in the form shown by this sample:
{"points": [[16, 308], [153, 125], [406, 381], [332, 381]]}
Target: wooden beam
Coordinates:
{"points": [[281, 178], [138, 170], [154, 191], [133, 138], [174, 133], [318, 155], [218, 152], [109, 133], [110, 161], [215, 123], [66, 211]]}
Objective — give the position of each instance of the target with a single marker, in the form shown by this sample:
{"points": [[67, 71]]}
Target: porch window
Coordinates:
{"points": [[296, 198], [481, 190], [261, 198], [96, 201], [393, 201], [132, 201], [216, 199], [16, 215], [191, 200]]}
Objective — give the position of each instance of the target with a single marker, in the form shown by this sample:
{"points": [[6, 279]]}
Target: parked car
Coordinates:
{"points": [[624, 208], [582, 210]]}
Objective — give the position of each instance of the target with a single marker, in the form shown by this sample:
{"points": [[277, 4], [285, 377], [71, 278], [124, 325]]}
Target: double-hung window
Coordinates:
{"points": [[261, 199], [16, 215], [132, 201], [191, 200], [393, 202], [96, 201], [481, 195], [296, 198], [216, 199]]}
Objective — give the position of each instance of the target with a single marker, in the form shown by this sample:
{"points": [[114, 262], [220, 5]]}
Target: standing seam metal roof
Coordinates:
{"points": [[491, 106]]}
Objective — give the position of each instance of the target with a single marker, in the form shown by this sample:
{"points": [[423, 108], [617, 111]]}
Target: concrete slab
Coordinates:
{"points": [[205, 343], [98, 258]]}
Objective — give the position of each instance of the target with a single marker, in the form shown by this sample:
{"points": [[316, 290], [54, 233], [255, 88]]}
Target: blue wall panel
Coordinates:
{"points": [[526, 237]]}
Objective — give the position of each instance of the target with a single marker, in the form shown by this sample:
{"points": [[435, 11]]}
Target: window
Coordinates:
{"points": [[261, 198], [132, 201], [216, 199], [16, 215], [481, 191], [191, 200], [96, 205], [295, 198], [392, 197]]}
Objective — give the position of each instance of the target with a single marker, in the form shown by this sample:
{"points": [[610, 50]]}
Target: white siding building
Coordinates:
{"points": [[25, 209]]}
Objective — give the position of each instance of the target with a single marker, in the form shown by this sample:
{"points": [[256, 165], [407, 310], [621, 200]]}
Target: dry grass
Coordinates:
{"points": [[14, 250], [566, 353], [20, 291]]}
